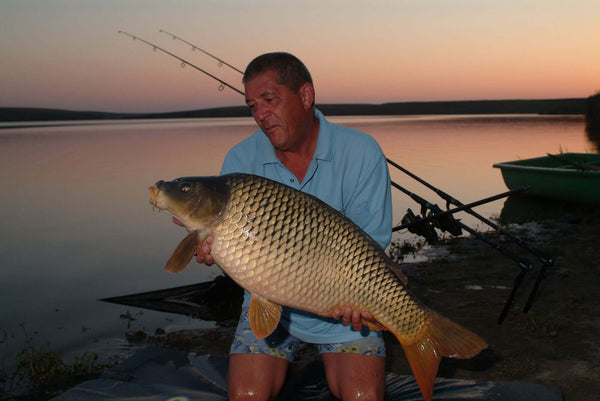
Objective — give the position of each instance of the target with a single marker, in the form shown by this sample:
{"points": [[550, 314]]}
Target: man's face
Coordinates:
{"points": [[279, 112]]}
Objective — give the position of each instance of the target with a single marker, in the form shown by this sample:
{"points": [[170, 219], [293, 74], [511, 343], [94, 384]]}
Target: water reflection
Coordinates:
{"points": [[77, 226], [523, 208]]}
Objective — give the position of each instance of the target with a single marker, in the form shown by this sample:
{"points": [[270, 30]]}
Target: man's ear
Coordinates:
{"points": [[307, 91]]}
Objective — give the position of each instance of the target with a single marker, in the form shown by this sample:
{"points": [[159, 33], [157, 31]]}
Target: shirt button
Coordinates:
{"points": [[292, 180]]}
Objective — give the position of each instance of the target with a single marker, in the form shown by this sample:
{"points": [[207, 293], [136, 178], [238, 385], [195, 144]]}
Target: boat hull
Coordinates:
{"points": [[558, 177]]}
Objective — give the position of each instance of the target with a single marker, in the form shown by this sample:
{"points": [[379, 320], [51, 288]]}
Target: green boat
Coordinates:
{"points": [[571, 177]]}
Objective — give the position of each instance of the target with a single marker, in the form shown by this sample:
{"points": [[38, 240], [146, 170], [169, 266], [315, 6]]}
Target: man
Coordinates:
{"points": [[345, 168]]}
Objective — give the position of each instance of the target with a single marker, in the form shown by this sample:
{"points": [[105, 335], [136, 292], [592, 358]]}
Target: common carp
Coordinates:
{"points": [[289, 248]]}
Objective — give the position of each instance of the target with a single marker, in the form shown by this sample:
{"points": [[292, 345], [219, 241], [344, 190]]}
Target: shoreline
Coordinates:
{"points": [[511, 106]]}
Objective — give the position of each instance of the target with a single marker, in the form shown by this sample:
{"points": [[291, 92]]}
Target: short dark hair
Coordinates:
{"points": [[291, 72]]}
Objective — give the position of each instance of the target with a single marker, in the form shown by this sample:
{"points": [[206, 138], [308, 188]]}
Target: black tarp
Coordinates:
{"points": [[158, 374]]}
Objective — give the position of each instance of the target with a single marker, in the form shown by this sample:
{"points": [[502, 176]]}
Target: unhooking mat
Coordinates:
{"points": [[158, 374]]}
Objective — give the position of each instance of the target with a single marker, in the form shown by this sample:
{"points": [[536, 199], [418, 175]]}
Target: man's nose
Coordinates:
{"points": [[260, 113]]}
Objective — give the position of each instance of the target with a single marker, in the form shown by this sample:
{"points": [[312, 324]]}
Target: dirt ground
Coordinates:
{"points": [[554, 344]]}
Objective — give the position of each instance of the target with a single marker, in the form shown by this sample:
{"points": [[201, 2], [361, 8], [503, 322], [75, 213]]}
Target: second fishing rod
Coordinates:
{"points": [[546, 260]]}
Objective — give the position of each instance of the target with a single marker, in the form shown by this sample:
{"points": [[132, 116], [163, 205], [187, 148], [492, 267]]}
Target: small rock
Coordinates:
{"points": [[136, 336]]}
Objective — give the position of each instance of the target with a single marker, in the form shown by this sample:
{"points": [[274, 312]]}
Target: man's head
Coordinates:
{"points": [[291, 72], [280, 93]]}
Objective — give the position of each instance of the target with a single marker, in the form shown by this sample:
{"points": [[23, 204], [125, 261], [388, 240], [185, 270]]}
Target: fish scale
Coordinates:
{"points": [[309, 236], [289, 248]]}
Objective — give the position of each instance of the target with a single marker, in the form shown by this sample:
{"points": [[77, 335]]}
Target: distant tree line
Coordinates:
{"points": [[516, 106], [592, 119]]}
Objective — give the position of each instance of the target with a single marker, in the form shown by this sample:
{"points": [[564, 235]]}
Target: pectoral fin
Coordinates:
{"points": [[183, 254], [264, 316]]}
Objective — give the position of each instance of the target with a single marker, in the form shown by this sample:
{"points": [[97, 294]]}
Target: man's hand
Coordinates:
{"points": [[353, 316], [203, 249]]}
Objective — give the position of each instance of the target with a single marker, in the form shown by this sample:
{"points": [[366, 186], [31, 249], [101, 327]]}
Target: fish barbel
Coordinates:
{"points": [[289, 248]]}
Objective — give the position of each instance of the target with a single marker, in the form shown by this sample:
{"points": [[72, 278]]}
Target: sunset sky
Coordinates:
{"points": [[68, 53]]}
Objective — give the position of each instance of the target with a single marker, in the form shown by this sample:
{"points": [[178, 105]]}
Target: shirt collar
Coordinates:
{"points": [[324, 150]]}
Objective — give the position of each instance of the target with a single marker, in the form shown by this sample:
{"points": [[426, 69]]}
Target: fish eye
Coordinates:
{"points": [[184, 187]]}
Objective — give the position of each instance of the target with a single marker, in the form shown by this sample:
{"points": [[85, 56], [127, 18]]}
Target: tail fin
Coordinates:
{"points": [[441, 337]]}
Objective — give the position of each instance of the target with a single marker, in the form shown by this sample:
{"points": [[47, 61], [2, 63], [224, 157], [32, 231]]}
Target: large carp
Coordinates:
{"points": [[289, 248]]}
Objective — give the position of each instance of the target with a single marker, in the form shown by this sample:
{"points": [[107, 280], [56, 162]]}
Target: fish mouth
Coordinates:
{"points": [[153, 194]]}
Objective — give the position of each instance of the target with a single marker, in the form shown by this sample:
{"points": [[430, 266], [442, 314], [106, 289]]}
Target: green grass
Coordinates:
{"points": [[40, 372]]}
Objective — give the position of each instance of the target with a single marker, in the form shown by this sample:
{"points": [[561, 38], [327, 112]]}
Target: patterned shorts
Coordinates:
{"points": [[282, 344]]}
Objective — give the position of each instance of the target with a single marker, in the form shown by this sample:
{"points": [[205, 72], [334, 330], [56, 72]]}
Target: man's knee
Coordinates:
{"points": [[252, 392], [246, 394], [255, 377], [369, 393], [355, 377]]}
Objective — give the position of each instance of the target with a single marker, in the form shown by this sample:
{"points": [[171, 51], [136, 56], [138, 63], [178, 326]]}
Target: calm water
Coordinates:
{"points": [[77, 226]]}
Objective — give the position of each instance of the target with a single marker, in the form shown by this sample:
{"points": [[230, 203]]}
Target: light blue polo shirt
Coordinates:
{"points": [[348, 172]]}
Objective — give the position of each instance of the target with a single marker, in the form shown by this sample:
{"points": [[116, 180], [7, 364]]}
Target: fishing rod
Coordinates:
{"points": [[518, 280], [194, 47], [546, 260], [429, 232], [450, 200], [184, 62], [513, 293], [438, 213]]}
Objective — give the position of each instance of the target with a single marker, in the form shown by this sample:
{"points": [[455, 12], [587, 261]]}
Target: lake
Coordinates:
{"points": [[77, 226]]}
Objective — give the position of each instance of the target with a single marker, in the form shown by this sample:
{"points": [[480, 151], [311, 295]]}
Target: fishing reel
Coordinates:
{"points": [[445, 223], [426, 229]]}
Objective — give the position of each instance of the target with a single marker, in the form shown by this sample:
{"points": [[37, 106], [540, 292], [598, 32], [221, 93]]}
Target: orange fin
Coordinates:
{"points": [[183, 254], [441, 337], [372, 325], [264, 316]]}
